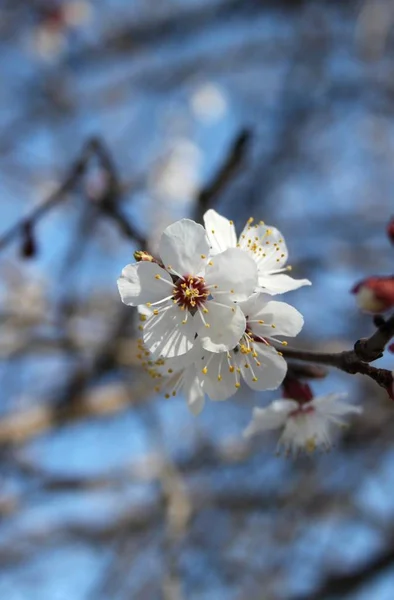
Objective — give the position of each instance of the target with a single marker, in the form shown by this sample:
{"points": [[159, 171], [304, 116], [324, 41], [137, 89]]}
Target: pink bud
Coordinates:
{"points": [[375, 294], [295, 389], [390, 230]]}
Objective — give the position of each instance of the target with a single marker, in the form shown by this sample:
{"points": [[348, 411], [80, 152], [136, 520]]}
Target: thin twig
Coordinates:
{"points": [[109, 203]]}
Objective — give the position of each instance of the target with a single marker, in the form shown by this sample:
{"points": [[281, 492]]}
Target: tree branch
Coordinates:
{"points": [[108, 204]]}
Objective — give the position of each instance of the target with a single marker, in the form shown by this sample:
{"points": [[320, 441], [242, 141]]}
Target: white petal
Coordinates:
{"points": [[165, 336], [271, 417], [138, 283], [269, 374], [194, 394], [286, 319], [217, 382], [266, 244], [178, 363], [220, 231], [280, 283], [333, 405], [227, 326], [182, 246], [233, 270]]}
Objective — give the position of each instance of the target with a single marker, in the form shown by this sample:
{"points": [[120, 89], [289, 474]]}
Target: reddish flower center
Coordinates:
{"points": [[190, 293], [302, 410]]}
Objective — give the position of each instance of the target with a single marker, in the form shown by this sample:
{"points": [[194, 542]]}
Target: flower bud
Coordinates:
{"points": [[141, 255], [297, 390], [390, 230], [375, 294]]}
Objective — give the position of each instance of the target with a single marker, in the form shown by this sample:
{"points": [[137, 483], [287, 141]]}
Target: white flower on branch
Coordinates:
{"points": [[264, 244], [253, 358], [305, 426], [190, 294]]}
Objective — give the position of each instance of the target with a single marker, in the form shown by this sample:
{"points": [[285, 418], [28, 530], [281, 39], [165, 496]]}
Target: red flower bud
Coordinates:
{"points": [[375, 294], [294, 389], [390, 230]]}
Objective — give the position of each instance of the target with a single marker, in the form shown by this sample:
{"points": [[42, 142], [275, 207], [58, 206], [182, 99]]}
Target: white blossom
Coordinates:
{"points": [[253, 358], [266, 246], [305, 426], [190, 294], [180, 374]]}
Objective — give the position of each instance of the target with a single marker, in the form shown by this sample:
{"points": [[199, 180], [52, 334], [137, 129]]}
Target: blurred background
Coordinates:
{"points": [[116, 118]]}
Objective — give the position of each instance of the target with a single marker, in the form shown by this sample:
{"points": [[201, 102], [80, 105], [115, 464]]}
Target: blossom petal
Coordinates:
{"points": [[138, 283], [166, 336], [279, 318], [183, 246], [232, 270], [269, 374], [279, 283], [333, 405], [193, 391], [217, 382], [220, 231], [266, 244], [227, 326], [271, 417]]}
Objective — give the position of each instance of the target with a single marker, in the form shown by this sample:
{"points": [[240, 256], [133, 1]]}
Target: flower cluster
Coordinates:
{"points": [[208, 319]]}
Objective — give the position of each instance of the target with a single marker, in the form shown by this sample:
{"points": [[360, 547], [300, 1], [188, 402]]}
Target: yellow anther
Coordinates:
{"points": [[219, 378], [140, 327], [174, 393], [184, 321], [284, 343], [204, 371], [255, 379], [261, 322], [213, 231], [155, 312], [310, 445], [258, 363], [167, 396], [280, 353], [149, 304], [250, 220], [157, 276], [210, 263], [237, 385], [170, 371], [207, 325], [142, 317], [203, 256], [231, 222], [273, 326], [205, 310], [246, 366], [231, 369]]}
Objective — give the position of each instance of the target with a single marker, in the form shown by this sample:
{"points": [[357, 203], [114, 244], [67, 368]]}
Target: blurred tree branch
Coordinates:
{"points": [[108, 202], [355, 361]]}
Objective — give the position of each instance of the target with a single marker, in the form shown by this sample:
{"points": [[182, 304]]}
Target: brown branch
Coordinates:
{"points": [[92, 148], [354, 361], [347, 361], [342, 585], [231, 165]]}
